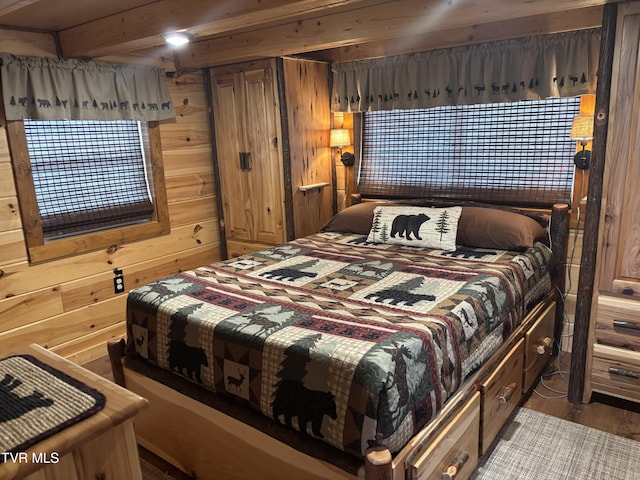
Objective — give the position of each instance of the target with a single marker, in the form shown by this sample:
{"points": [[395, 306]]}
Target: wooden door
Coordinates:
{"points": [[262, 129], [247, 124], [620, 266], [228, 107]]}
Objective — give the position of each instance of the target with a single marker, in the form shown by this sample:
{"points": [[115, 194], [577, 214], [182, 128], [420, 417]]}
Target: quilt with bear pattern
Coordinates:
{"points": [[353, 343]]}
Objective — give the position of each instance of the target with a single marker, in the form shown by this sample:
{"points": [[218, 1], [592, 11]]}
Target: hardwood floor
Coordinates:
{"points": [[548, 396], [605, 413]]}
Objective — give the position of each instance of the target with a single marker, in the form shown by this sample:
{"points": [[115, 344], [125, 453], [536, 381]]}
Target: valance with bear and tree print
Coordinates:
{"points": [[73, 89], [531, 68]]}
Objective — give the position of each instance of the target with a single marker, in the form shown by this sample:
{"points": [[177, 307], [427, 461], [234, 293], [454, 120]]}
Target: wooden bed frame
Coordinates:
{"points": [[208, 442]]}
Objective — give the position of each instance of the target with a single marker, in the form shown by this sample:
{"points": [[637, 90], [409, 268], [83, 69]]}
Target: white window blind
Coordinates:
{"points": [[88, 175], [513, 153]]}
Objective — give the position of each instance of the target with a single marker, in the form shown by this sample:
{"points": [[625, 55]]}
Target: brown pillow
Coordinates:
{"points": [[357, 218], [496, 228]]}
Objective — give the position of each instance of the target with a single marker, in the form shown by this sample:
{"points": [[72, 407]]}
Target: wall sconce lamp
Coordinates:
{"points": [[177, 39], [340, 138], [582, 129]]}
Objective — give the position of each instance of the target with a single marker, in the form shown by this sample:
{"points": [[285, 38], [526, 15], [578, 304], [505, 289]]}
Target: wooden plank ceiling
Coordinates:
{"points": [[231, 31]]}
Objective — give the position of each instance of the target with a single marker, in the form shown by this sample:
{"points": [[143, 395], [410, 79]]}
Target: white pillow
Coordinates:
{"points": [[416, 226]]}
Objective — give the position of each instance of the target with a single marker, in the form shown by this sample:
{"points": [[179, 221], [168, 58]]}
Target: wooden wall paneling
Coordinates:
{"points": [[92, 346], [17, 279], [9, 214], [5, 157], [345, 176], [30, 307], [189, 96], [7, 188], [190, 211], [309, 117], [184, 135], [96, 288], [187, 161], [35, 44], [188, 187], [65, 327], [572, 274], [13, 248]]}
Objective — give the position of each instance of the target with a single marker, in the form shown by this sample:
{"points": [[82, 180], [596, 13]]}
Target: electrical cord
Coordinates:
{"points": [[563, 295]]}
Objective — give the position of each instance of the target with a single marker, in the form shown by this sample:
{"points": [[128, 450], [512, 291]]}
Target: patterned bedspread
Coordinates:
{"points": [[353, 343]]}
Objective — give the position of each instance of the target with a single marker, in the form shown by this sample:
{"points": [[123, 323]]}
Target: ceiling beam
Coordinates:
{"points": [[557, 22], [374, 23], [8, 6], [141, 27]]}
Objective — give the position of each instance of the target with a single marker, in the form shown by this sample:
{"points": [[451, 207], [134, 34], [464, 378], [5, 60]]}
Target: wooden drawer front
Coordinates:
{"points": [[538, 345], [458, 441], [618, 322], [501, 393], [616, 372], [235, 248]]}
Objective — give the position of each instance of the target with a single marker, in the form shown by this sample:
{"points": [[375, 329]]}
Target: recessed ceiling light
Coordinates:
{"points": [[177, 39]]}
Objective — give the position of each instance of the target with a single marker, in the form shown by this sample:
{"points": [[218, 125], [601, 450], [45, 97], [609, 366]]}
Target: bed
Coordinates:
{"points": [[350, 353]]}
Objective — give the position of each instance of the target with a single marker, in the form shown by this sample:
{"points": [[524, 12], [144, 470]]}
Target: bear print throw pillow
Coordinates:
{"points": [[416, 226]]}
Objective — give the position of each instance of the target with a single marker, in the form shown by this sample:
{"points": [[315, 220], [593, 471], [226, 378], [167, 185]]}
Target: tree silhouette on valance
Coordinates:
{"points": [[531, 68]]}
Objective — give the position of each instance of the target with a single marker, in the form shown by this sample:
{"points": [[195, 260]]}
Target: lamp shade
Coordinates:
{"points": [[339, 137], [582, 127]]}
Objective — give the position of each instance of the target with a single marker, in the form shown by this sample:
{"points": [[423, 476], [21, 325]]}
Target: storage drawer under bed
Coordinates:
{"points": [[538, 346], [454, 452], [501, 393]]}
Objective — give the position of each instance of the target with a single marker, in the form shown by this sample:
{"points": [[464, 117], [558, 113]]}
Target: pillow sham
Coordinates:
{"points": [[500, 229], [415, 226]]}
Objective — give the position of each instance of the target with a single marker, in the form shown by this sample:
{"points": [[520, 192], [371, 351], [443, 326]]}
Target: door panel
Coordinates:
{"points": [[262, 130], [235, 194]]}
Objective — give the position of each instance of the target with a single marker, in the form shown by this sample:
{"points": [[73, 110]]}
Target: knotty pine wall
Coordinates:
{"points": [[68, 305]]}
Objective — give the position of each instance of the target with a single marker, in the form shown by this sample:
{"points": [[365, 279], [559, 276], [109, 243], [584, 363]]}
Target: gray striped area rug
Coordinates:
{"points": [[541, 447]]}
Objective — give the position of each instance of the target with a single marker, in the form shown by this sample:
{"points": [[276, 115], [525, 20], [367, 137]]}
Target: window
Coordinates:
{"points": [[85, 185], [515, 153]]}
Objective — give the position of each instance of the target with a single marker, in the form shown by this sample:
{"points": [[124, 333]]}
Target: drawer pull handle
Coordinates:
{"points": [[623, 373], [623, 324], [543, 346], [507, 393], [455, 465]]}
